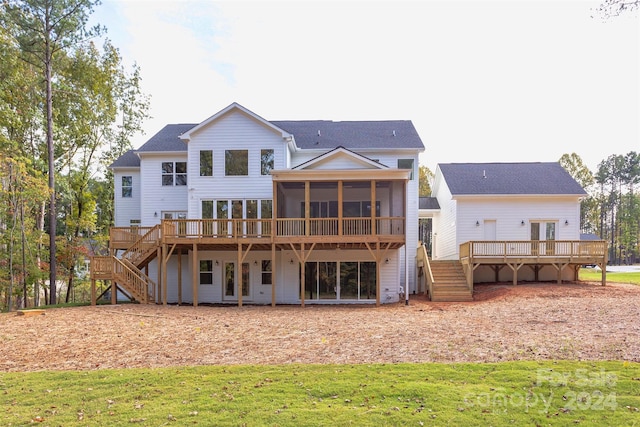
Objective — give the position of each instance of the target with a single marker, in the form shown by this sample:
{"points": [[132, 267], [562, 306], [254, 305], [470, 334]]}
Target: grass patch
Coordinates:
{"points": [[593, 275], [511, 393]]}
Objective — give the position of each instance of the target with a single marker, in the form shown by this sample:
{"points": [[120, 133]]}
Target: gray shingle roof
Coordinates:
{"points": [[352, 134], [509, 178], [428, 203], [128, 160], [167, 139]]}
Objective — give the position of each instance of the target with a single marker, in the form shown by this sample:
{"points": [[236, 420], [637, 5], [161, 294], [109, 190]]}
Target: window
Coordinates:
{"points": [[174, 172], [206, 163], [236, 162], [206, 272], [266, 272], [406, 164], [266, 161], [127, 186]]}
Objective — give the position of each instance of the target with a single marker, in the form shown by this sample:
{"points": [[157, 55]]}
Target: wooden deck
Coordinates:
{"points": [[172, 236], [517, 253]]}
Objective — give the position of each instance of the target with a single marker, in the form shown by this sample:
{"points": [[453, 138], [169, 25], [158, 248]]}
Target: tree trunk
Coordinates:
{"points": [[52, 180], [24, 256]]}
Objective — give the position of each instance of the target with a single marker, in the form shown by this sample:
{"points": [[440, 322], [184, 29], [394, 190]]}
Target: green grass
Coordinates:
{"points": [[511, 393], [593, 275]]}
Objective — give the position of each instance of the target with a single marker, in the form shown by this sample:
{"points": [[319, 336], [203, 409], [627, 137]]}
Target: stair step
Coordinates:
{"points": [[450, 283]]}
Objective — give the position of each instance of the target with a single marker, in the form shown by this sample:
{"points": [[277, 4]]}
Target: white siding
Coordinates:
{"points": [[510, 212], [126, 208], [238, 132], [444, 222], [157, 198]]}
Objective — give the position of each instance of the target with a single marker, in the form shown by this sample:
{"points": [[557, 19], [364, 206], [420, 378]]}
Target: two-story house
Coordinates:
{"points": [[241, 209]]}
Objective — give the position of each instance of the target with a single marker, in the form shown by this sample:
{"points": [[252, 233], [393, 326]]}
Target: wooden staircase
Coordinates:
{"points": [[449, 282], [126, 271]]}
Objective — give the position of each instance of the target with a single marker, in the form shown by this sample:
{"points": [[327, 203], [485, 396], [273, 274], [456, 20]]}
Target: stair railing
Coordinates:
{"points": [[141, 286], [141, 247]]}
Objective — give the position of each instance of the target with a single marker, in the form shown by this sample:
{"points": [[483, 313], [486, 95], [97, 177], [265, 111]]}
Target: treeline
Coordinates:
{"points": [[68, 108], [612, 209]]}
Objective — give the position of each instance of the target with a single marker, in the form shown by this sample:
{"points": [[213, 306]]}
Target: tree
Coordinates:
{"points": [[573, 164], [44, 30], [425, 180], [612, 8]]}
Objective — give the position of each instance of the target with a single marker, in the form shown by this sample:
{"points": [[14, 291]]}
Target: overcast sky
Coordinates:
{"points": [[481, 81]]}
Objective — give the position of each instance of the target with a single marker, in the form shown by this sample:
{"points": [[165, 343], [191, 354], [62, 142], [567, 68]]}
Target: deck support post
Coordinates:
{"points": [[194, 273], [93, 291], [114, 292], [159, 281], [180, 277], [273, 275]]}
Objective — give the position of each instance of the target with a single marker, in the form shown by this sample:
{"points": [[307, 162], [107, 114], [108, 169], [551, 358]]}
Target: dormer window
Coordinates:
{"points": [[174, 173]]}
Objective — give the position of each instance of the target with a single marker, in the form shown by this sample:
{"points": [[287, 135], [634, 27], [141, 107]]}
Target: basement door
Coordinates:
{"points": [[231, 283]]}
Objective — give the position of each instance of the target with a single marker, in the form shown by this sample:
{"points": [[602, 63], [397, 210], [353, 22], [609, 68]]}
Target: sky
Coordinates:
{"points": [[482, 81]]}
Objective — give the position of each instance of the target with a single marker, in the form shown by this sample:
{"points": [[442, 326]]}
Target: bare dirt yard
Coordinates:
{"points": [[579, 321]]}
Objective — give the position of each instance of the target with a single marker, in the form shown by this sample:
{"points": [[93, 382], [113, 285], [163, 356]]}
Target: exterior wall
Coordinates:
{"points": [[157, 198], [126, 208], [287, 280], [239, 132], [444, 224], [509, 212]]}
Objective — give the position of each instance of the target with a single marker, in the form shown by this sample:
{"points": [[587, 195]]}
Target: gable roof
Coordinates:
{"points": [[128, 160], [231, 107], [307, 134], [341, 151], [509, 179], [326, 134]]}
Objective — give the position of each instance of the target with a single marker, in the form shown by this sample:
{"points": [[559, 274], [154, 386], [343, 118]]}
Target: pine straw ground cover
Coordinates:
{"points": [[573, 321]]}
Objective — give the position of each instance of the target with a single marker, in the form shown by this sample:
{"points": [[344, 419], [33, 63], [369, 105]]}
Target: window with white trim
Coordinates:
{"points": [[206, 272], [127, 186], [174, 173]]}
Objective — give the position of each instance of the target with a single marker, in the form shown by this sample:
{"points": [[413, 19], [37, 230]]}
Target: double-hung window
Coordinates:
{"points": [[174, 173], [206, 163], [127, 186], [266, 161]]}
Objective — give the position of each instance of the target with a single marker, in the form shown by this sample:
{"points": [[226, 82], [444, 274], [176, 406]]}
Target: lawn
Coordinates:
{"points": [[510, 393], [593, 275]]}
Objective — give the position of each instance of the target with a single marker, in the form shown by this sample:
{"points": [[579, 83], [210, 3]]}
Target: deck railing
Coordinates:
{"points": [[285, 227], [533, 248], [130, 278], [138, 250], [126, 235]]}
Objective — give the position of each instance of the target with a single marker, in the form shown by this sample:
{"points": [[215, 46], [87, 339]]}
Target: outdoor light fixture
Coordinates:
{"points": [[291, 261], [155, 214], [255, 262], [217, 263], [566, 222], [386, 261], [522, 222], [477, 223]]}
